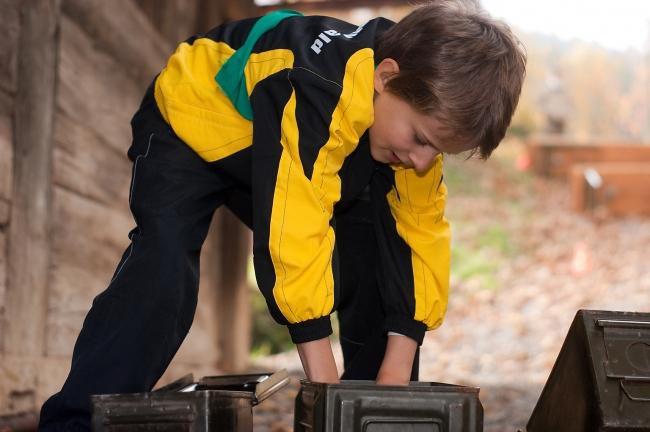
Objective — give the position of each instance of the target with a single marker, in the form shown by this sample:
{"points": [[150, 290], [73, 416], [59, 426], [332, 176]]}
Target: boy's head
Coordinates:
{"points": [[448, 80]]}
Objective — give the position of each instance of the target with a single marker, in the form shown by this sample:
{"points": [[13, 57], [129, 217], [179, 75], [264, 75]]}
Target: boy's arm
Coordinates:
{"points": [[296, 158], [413, 240], [398, 361], [319, 365], [318, 361]]}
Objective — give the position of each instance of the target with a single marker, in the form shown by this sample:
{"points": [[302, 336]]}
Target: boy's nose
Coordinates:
{"points": [[423, 161]]}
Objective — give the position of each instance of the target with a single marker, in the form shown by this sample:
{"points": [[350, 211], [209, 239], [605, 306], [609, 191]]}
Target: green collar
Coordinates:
{"points": [[231, 77]]}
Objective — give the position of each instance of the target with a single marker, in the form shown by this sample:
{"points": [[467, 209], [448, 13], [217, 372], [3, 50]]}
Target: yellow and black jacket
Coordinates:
{"points": [[283, 107]]}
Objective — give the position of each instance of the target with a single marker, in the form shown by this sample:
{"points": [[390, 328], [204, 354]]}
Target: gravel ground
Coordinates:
{"points": [[534, 263]]}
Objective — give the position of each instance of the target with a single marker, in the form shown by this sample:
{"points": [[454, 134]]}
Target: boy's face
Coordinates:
{"points": [[400, 135]]}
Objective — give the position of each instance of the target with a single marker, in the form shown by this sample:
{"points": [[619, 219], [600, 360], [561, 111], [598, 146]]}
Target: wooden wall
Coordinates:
{"points": [[64, 179]]}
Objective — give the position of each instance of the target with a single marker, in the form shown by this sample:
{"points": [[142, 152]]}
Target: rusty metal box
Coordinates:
{"points": [[601, 378], [362, 406], [221, 404]]}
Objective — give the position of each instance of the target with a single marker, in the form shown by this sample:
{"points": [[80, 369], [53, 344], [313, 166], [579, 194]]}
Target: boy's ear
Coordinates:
{"points": [[385, 70]]}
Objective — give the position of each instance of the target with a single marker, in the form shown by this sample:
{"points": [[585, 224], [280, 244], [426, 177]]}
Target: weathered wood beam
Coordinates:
{"points": [[25, 421], [307, 6], [554, 158], [233, 294], [175, 20], [236, 9], [95, 89], [4, 216], [120, 28], [9, 31], [6, 160], [29, 229], [618, 188]]}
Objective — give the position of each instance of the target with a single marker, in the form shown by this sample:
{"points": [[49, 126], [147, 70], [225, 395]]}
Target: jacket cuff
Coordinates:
{"points": [[406, 326], [310, 330]]}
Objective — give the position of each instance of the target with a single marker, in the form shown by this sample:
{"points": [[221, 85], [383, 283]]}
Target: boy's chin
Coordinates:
{"points": [[377, 155]]}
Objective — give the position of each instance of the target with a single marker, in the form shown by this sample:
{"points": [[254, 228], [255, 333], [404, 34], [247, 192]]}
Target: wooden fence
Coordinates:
{"points": [[72, 73]]}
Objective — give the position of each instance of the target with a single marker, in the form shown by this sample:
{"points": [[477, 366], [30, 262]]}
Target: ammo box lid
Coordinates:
{"points": [[363, 406], [601, 378], [221, 403], [261, 386]]}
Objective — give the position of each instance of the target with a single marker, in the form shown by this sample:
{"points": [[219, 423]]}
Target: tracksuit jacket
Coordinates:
{"points": [[283, 105]]}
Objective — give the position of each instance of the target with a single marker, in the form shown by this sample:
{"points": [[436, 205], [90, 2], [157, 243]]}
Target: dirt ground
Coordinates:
{"points": [[523, 265]]}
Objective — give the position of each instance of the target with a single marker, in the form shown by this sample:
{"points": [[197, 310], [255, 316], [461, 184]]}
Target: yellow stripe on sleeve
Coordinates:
{"points": [[419, 213], [301, 240], [353, 115]]}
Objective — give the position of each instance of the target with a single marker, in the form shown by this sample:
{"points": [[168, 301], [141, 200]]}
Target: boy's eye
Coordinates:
{"points": [[419, 140]]}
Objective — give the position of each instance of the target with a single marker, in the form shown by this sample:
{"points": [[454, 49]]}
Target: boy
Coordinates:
{"points": [[327, 140]]}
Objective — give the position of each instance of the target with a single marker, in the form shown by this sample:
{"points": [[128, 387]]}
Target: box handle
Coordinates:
{"points": [[623, 324], [627, 347], [630, 395], [177, 385]]}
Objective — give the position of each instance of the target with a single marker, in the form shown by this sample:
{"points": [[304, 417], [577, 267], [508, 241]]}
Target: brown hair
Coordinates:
{"points": [[459, 64]]}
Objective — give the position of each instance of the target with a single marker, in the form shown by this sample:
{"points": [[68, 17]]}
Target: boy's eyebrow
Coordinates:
{"points": [[437, 147], [423, 136]]}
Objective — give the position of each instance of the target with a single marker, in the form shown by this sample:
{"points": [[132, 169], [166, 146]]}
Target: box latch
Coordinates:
{"points": [[627, 345]]}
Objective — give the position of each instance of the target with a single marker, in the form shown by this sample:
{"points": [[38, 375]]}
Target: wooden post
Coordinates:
{"points": [[28, 233], [233, 294]]}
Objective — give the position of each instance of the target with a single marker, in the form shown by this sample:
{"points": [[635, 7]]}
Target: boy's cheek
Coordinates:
{"points": [[374, 151]]}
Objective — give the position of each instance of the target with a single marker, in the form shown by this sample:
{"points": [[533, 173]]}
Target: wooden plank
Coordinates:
{"points": [[121, 29], [18, 381], [236, 9], [211, 14], [93, 88], [9, 31], [567, 141], [308, 6], [6, 159], [3, 282], [88, 239], [579, 188], [623, 188], [5, 211], [175, 20], [62, 332], [84, 163], [554, 158], [52, 373], [6, 103], [30, 217]]}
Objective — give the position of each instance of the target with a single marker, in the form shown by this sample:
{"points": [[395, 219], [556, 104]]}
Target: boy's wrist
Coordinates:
{"points": [[398, 361], [310, 330], [318, 361], [407, 326]]}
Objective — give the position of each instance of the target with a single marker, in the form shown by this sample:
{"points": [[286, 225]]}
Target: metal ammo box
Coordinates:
{"points": [[363, 406], [601, 378], [222, 403]]}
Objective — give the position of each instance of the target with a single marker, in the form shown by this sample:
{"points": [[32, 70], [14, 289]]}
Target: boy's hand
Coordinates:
{"points": [[318, 361], [398, 361]]}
